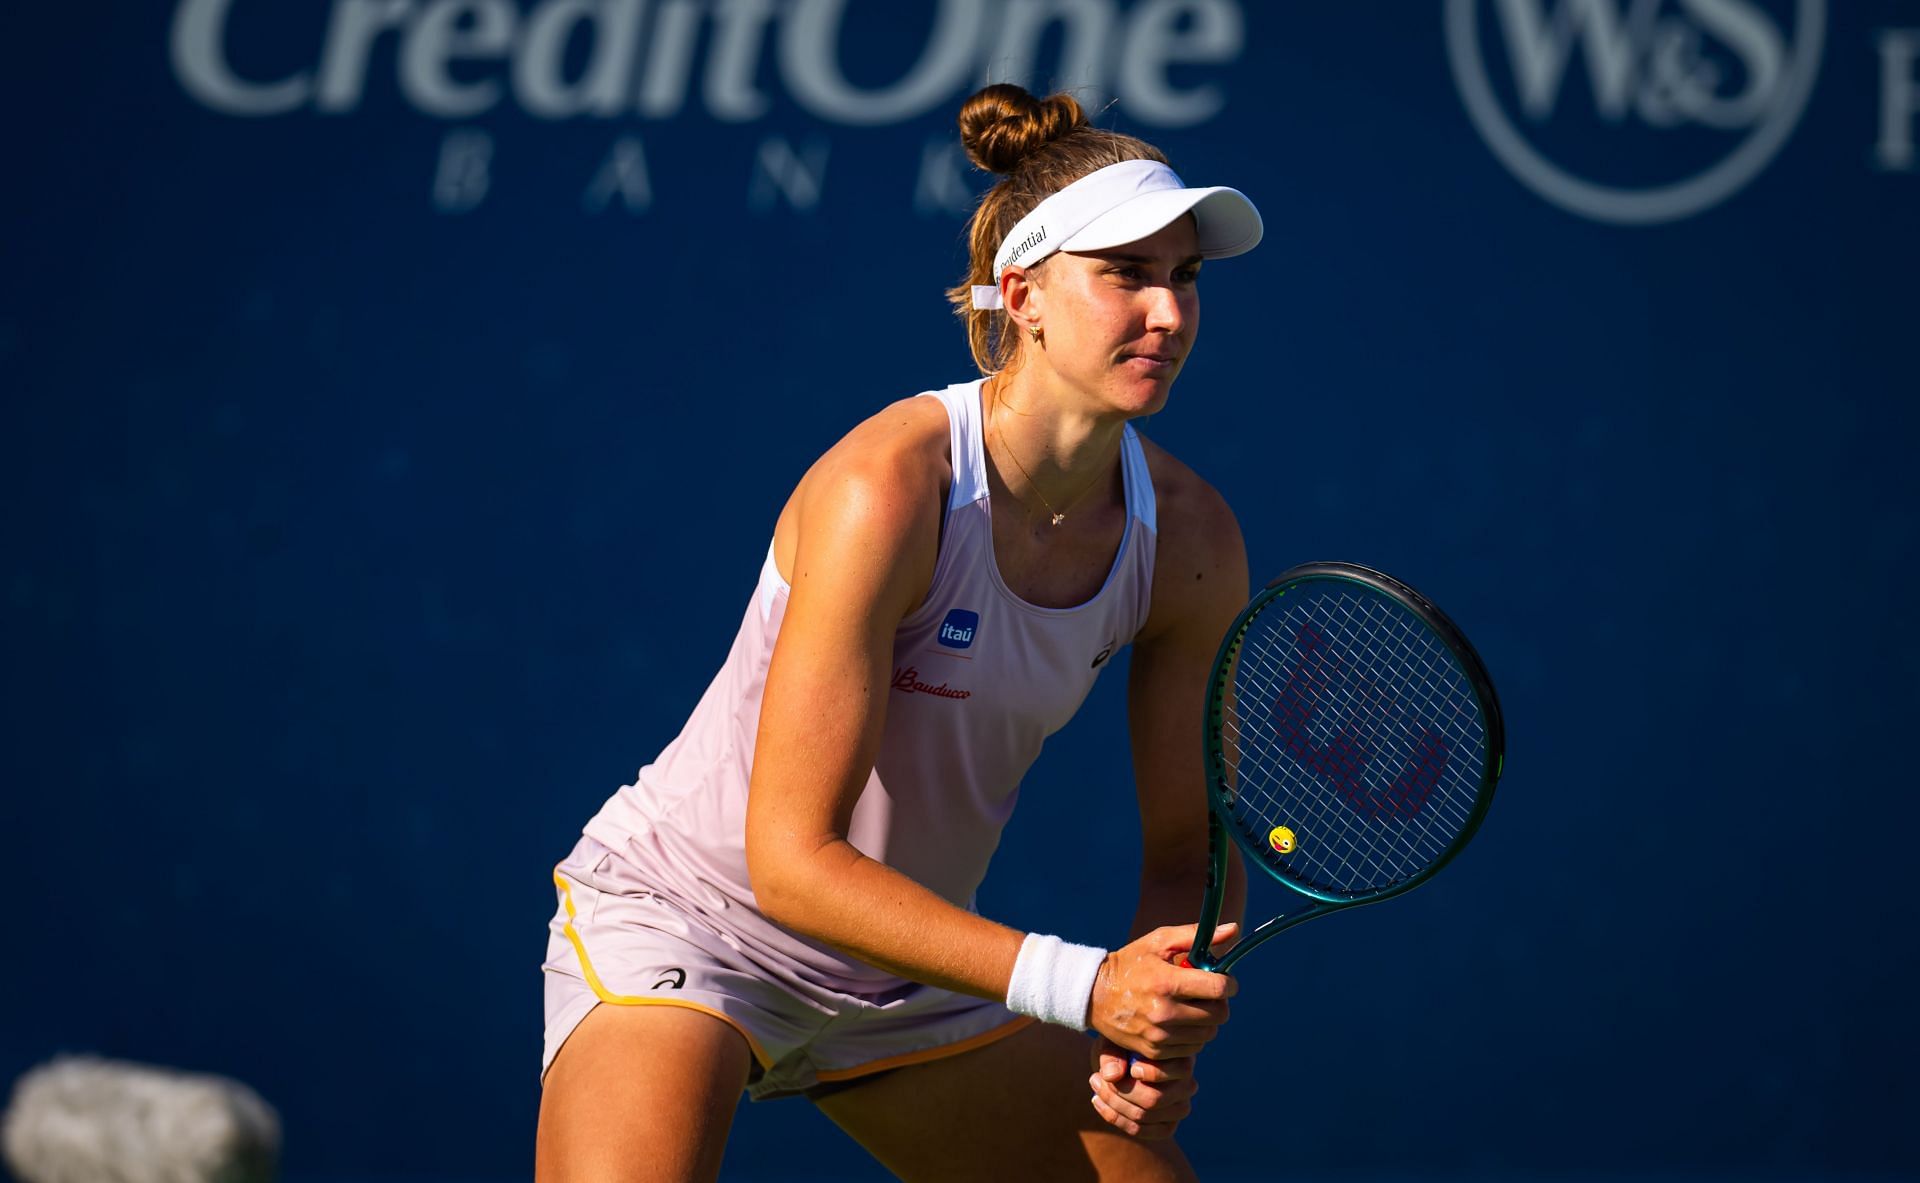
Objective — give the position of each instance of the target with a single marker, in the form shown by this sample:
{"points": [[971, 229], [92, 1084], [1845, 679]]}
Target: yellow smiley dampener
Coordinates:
{"points": [[1281, 839]]}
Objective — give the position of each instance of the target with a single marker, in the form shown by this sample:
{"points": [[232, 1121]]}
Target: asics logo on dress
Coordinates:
{"points": [[956, 631]]}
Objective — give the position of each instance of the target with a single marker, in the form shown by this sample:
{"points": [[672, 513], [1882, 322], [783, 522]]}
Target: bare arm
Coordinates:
{"points": [[1200, 585], [868, 524]]}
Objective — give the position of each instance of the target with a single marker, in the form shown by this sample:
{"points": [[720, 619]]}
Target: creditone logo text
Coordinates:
{"points": [[1714, 86], [564, 59]]}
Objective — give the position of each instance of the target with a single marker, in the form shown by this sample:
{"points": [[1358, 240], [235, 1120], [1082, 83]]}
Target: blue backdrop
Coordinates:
{"points": [[398, 395]]}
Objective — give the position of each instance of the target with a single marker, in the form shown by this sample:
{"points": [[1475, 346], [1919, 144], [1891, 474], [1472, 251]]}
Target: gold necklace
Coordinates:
{"points": [[1059, 515]]}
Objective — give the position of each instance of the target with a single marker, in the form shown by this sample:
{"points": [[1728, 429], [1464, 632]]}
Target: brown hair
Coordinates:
{"points": [[1039, 146]]}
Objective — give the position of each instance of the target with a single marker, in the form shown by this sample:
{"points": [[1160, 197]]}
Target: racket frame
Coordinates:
{"points": [[1219, 798]]}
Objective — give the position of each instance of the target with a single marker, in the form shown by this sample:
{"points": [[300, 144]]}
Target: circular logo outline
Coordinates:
{"points": [[1635, 207]]}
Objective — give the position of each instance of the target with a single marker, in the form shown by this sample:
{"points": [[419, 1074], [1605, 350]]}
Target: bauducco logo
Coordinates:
{"points": [[561, 59], [1688, 99], [907, 681]]}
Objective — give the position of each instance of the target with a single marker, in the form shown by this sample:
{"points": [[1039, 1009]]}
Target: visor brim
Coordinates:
{"points": [[1226, 222]]}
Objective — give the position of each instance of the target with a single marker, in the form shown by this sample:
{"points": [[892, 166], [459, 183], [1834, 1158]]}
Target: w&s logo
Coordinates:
{"points": [[1635, 111]]}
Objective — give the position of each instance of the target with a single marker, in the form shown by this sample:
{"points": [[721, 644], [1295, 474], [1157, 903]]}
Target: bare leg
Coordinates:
{"points": [[1014, 1109], [640, 1094]]}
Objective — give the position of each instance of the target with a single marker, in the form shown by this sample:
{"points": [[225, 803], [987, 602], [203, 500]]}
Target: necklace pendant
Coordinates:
{"points": [[1058, 518]]}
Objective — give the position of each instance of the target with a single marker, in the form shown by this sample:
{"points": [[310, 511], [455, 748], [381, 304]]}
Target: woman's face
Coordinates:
{"points": [[1118, 324]]}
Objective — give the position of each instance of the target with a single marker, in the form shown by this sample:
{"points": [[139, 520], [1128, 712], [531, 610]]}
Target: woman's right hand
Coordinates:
{"points": [[1153, 1007]]}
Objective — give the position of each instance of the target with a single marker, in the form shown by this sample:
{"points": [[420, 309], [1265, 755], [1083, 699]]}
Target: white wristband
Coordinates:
{"points": [[1053, 981]]}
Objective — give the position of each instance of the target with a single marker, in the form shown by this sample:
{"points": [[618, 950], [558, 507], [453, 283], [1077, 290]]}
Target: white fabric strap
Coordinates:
{"points": [[1053, 981]]}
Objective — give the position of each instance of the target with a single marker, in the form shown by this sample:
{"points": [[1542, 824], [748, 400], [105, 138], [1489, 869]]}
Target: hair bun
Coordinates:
{"points": [[1003, 124]]}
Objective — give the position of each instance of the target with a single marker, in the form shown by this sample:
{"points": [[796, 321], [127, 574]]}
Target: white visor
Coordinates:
{"points": [[1119, 204]]}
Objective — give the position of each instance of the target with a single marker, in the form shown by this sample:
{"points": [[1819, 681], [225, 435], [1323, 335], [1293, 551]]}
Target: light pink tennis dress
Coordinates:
{"points": [[655, 904]]}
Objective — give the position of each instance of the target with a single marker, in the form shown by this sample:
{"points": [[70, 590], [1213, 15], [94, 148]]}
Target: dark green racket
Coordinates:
{"points": [[1353, 745]]}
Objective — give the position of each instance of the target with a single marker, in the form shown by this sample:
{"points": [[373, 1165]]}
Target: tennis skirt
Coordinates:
{"points": [[612, 940]]}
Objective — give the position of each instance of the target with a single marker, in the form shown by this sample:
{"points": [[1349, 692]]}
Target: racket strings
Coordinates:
{"points": [[1348, 721], [1317, 689], [1341, 761], [1350, 857]]}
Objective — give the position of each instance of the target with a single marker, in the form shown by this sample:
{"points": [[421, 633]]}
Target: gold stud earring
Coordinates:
{"points": [[1035, 330]]}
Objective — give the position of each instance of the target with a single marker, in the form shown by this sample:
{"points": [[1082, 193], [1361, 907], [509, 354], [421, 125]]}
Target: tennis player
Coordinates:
{"points": [[782, 901]]}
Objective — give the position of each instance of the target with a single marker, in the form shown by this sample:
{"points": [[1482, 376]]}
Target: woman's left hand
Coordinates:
{"points": [[1141, 1097]]}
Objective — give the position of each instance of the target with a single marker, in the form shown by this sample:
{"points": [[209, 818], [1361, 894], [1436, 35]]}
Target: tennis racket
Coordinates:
{"points": [[1353, 743]]}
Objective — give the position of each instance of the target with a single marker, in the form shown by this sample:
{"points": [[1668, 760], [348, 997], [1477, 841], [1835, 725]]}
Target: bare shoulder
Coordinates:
{"points": [[886, 478], [1191, 512], [912, 431], [901, 449], [1200, 565]]}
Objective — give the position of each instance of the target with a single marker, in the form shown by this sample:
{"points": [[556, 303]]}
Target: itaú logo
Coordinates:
{"points": [[560, 59], [1684, 102]]}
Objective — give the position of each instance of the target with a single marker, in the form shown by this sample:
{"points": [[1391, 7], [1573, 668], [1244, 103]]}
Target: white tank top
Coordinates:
{"points": [[980, 679]]}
